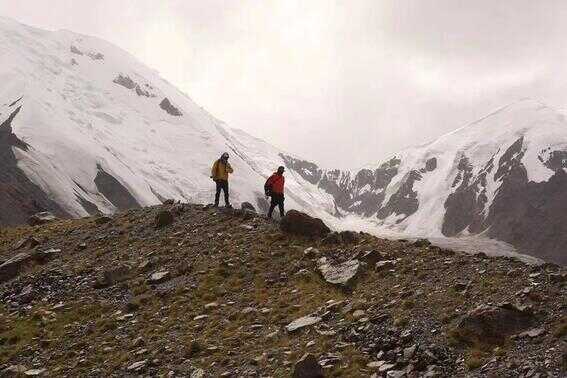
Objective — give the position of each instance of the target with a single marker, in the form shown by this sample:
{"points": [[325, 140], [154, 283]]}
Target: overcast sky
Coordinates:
{"points": [[343, 83]]}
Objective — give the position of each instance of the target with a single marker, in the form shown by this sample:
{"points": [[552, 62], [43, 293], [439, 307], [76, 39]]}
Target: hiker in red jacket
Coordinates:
{"points": [[274, 188]]}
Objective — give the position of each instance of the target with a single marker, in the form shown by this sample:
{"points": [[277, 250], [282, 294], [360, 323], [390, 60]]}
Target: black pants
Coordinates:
{"points": [[277, 200], [222, 185]]}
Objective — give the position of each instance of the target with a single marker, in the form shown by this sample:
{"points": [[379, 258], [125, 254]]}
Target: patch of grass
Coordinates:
{"points": [[16, 336], [474, 359], [408, 304], [560, 329], [401, 321]]}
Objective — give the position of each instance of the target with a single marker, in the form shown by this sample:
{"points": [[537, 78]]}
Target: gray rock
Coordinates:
{"points": [[41, 218], [303, 322], [311, 252], [28, 243], [34, 372], [11, 268], [159, 277], [342, 274], [536, 332], [247, 206], [396, 374], [409, 352], [384, 265], [308, 367], [137, 366]]}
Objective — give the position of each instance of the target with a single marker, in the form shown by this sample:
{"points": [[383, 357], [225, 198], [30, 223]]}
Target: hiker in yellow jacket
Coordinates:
{"points": [[219, 173]]}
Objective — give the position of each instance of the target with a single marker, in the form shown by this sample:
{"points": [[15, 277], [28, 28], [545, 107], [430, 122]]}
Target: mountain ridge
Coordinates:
{"points": [[100, 127]]}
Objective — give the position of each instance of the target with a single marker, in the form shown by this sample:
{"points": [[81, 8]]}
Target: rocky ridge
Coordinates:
{"points": [[194, 291]]}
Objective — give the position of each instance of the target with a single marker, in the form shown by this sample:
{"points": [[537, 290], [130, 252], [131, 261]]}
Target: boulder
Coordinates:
{"points": [[163, 219], [296, 222], [169, 201], [342, 274], [247, 206], [13, 266], [308, 367], [41, 218], [492, 324]]}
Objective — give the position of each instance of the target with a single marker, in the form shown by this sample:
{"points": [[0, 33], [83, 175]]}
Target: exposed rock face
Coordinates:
{"points": [[362, 194], [19, 196], [465, 206], [492, 324], [166, 105], [128, 83], [531, 216], [76, 51], [95, 55], [125, 81], [114, 191], [299, 223]]}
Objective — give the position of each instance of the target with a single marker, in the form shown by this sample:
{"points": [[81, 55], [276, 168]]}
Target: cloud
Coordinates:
{"points": [[368, 77]]}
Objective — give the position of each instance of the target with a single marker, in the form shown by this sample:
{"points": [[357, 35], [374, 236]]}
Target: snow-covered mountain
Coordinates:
{"points": [[502, 176], [86, 128]]}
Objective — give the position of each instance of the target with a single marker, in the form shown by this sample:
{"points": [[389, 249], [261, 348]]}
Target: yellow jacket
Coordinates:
{"points": [[220, 170]]}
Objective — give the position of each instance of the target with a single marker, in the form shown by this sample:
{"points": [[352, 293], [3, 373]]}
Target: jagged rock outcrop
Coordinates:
{"points": [[166, 105]]}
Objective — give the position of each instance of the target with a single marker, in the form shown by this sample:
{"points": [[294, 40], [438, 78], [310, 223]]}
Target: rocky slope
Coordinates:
{"points": [[186, 290]]}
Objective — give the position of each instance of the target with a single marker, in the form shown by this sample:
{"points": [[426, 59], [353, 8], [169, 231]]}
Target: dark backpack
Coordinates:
{"points": [[268, 187]]}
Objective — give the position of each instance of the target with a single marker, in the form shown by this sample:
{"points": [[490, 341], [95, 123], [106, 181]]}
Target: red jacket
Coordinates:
{"points": [[277, 182]]}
